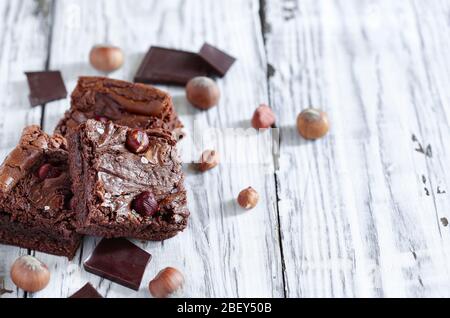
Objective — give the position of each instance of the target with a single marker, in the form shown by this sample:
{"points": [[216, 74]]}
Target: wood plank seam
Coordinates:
{"points": [[265, 29]]}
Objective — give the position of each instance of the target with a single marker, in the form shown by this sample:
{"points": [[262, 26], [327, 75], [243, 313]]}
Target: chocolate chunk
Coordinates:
{"points": [[120, 261], [87, 291], [217, 59], [168, 66], [46, 86]]}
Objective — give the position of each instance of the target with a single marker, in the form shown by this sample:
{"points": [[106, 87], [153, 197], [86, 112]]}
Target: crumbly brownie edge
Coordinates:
{"points": [[76, 168], [18, 234]]}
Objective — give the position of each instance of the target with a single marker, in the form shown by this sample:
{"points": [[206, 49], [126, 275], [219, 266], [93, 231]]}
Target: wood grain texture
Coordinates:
{"points": [[360, 213], [22, 49], [360, 209], [224, 252]]}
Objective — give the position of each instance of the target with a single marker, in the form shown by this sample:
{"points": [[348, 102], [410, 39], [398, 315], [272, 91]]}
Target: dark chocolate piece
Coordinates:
{"points": [[87, 291], [217, 59], [108, 179], [169, 66], [127, 104], [35, 210], [120, 261], [46, 86]]}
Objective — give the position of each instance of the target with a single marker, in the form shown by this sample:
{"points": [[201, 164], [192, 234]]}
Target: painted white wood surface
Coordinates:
{"points": [[356, 217], [23, 46]]}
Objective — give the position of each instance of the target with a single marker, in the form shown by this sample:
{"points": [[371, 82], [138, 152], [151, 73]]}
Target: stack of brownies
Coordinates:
{"points": [[111, 170]]}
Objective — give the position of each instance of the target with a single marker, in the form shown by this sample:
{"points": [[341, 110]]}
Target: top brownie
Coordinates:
{"points": [[35, 194], [126, 182], [128, 104]]}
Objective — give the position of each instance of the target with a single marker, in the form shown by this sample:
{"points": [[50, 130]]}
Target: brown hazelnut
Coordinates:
{"points": [[106, 58], [208, 160], [30, 274], [263, 117], [145, 204], [137, 141], [312, 123], [48, 171], [248, 198], [167, 282], [202, 92]]}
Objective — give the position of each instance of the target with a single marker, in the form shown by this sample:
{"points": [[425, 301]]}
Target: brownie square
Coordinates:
{"points": [[35, 194], [108, 178], [128, 104]]}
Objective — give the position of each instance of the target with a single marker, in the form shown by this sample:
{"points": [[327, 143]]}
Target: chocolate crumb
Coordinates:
{"points": [[444, 221]]}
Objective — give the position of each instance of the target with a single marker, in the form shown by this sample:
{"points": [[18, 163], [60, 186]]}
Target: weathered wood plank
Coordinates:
{"points": [[360, 210], [22, 49], [224, 252]]}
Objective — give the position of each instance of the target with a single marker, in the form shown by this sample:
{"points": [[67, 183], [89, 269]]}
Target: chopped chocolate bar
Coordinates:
{"points": [[127, 104], [46, 86], [169, 66], [217, 59], [87, 291], [120, 261], [35, 194], [126, 182]]}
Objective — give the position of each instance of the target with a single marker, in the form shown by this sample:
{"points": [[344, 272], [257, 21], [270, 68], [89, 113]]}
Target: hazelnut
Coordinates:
{"points": [[248, 198], [30, 274], [137, 141], [312, 123], [263, 117], [48, 171], [106, 58], [202, 92], [145, 204], [102, 119], [208, 160], [166, 283]]}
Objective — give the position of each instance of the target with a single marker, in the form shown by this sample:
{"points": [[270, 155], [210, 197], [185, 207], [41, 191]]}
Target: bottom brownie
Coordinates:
{"points": [[18, 234], [35, 196]]}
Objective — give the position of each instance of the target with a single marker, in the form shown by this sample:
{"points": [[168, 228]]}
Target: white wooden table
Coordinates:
{"points": [[360, 213]]}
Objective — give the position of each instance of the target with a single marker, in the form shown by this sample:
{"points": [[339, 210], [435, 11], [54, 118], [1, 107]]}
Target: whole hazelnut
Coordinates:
{"points": [[248, 198], [137, 141], [48, 171], [106, 58], [312, 123], [145, 204], [263, 117], [202, 92], [166, 283], [208, 160], [30, 274]]}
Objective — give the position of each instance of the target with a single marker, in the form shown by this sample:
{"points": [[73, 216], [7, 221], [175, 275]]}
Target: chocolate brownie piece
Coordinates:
{"points": [[35, 194], [128, 104], [119, 193]]}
